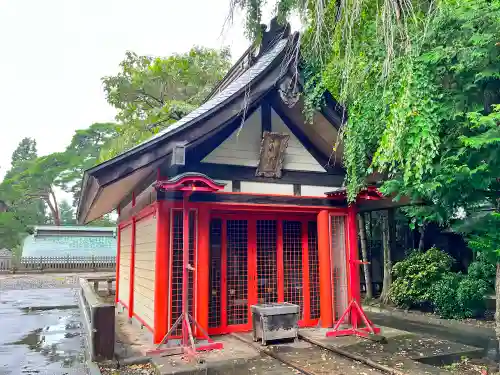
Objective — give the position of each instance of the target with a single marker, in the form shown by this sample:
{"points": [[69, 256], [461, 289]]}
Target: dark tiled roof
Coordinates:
{"points": [[234, 87]]}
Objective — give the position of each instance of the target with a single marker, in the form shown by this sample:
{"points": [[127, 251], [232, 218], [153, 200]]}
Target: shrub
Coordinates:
{"points": [[415, 275], [457, 296], [443, 295], [470, 296], [483, 270]]}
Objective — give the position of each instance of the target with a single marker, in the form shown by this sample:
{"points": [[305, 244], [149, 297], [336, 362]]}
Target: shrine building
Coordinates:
{"points": [[252, 188]]}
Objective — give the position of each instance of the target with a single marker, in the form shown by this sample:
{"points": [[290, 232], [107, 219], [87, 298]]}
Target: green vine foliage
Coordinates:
{"points": [[413, 75]]}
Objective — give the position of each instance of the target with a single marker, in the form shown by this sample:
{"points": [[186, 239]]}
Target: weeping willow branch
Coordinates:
{"points": [[364, 53]]}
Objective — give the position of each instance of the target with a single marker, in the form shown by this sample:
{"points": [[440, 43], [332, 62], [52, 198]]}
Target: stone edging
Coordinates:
{"points": [[93, 368], [430, 320]]}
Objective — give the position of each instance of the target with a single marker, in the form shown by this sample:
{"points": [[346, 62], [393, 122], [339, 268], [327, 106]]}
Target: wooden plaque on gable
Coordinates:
{"points": [[272, 153]]}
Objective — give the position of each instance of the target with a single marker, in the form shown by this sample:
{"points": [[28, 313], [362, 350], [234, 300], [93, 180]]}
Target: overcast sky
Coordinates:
{"points": [[53, 54]]}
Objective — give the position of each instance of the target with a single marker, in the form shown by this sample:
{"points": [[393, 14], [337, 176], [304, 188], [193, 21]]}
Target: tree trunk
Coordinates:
{"points": [[421, 241], [54, 210], [56, 207], [386, 244], [364, 254], [497, 309]]}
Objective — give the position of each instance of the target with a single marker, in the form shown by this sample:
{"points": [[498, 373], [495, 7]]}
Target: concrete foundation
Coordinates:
{"points": [[405, 351]]}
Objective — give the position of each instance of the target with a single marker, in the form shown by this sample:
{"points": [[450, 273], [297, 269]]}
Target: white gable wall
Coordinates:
{"points": [[242, 147], [297, 158]]}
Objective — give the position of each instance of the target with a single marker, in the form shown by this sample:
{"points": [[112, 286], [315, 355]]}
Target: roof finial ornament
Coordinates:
{"points": [[272, 34]]}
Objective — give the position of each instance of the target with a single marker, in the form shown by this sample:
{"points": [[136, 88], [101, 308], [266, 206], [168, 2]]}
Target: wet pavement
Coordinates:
{"points": [[40, 331]]}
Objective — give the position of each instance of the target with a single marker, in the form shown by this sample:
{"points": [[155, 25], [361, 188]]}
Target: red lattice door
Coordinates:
{"points": [[292, 263], [176, 263], [261, 259], [236, 276], [267, 270]]}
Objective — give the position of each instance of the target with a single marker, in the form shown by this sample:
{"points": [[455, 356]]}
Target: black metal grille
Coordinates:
{"points": [[237, 272], [192, 260], [312, 238], [267, 278], [292, 262], [177, 266], [214, 319]]}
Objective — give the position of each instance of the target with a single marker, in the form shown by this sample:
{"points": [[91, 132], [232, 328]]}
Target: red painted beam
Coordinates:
{"points": [[279, 262], [132, 272], [161, 272], [185, 271], [203, 269], [117, 282], [324, 260], [306, 298], [352, 257]]}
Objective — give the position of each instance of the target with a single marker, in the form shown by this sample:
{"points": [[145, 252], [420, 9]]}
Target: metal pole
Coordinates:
{"points": [[353, 260]]}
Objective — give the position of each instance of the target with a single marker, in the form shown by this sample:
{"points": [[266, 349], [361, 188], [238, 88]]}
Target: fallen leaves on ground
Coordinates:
{"points": [[142, 369]]}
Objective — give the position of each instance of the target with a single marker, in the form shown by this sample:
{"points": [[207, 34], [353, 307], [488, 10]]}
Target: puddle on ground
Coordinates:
{"points": [[50, 342], [30, 309]]}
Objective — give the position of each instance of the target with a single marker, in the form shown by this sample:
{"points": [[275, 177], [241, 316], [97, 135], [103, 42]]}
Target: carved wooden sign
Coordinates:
{"points": [[272, 153]]}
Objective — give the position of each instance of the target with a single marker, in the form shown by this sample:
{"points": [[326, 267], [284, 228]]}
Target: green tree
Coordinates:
{"points": [[67, 213], [151, 93], [410, 74], [29, 186], [27, 211], [104, 221], [18, 212], [83, 153], [421, 81], [25, 152], [11, 230], [38, 182]]}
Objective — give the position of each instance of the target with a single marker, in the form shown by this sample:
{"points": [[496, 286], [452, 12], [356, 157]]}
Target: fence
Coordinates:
{"points": [[62, 263], [98, 318]]}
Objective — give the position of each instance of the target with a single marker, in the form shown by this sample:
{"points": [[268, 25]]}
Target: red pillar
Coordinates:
{"points": [[352, 259], [117, 282], [161, 271], [306, 316], [132, 272], [279, 262], [203, 268], [324, 260]]}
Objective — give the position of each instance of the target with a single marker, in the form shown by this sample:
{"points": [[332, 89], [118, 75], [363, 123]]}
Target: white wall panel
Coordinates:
{"points": [[125, 255], [315, 191], [144, 269], [266, 188], [297, 158], [242, 147], [228, 184]]}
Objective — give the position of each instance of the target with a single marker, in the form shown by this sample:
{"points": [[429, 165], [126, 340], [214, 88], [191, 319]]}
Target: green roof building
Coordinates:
{"points": [[84, 241]]}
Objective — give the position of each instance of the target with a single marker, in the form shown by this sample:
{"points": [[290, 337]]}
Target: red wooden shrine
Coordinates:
{"points": [[243, 254], [240, 202]]}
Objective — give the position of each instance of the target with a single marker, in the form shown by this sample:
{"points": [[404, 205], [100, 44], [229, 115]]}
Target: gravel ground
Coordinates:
{"points": [[146, 369], [45, 281], [473, 367]]}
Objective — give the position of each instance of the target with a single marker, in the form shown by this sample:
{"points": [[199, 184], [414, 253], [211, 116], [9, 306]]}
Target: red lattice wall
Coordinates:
{"points": [[176, 264], [261, 259]]}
